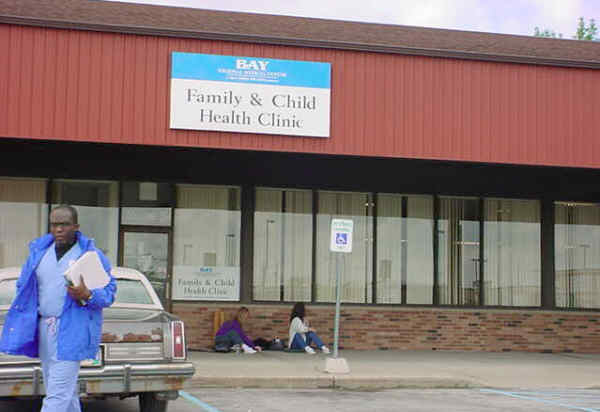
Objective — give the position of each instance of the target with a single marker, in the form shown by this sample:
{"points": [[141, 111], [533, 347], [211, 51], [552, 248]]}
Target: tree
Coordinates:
{"points": [[586, 32], [537, 32]]}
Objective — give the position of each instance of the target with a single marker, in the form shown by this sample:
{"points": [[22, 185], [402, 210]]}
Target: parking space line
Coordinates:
{"points": [[581, 394], [531, 398], [198, 402]]}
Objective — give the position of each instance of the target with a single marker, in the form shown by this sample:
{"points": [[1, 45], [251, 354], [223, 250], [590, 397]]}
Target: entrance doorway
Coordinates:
{"points": [[148, 250]]}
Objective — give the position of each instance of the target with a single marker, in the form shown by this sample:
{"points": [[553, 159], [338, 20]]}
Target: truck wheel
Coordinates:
{"points": [[149, 403]]}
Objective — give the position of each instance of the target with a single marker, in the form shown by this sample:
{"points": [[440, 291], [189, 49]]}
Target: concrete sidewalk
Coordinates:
{"points": [[371, 370]]}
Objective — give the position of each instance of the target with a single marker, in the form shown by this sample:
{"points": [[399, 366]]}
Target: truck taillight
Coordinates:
{"points": [[178, 340]]}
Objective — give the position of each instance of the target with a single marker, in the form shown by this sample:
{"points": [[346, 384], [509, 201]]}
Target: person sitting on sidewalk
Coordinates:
{"points": [[231, 333], [301, 335]]}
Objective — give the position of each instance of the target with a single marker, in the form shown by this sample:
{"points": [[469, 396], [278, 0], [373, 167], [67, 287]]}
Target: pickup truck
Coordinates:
{"points": [[142, 353]]}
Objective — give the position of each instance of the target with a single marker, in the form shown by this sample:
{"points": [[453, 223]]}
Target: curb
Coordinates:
{"points": [[330, 382], [397, 382]]}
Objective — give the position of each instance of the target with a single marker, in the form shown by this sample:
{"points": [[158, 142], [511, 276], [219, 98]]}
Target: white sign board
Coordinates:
{"points": [[250, 94], [341, 235], [206, 283]]}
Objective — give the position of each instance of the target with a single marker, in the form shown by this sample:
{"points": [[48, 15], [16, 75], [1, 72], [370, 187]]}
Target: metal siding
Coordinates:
{"points": [[106, 87], [63, 104], [4, 75], [592, 112], [36, 82], [48, 83], [12, 74], [389, 83]]}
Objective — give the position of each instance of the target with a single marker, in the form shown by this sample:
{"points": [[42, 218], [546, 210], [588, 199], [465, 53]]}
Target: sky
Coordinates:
{"points": [[496, 16]]}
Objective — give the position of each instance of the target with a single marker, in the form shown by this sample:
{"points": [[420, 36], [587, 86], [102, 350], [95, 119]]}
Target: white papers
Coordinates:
{"points": [[90, 268]]}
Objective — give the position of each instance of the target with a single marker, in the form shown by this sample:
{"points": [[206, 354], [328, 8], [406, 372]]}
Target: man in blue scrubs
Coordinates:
{"points": [[61, 324]]}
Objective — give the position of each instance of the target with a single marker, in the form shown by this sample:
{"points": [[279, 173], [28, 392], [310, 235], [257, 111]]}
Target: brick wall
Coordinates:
{"points": [[364, 327]]}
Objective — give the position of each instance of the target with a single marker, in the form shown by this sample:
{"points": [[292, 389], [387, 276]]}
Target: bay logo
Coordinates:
{"points": [[244, 64]]}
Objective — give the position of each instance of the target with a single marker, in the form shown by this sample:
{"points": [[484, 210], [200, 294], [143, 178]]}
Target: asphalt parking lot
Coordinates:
{"points": [[465, 400], [381, 381], [326, 400]]}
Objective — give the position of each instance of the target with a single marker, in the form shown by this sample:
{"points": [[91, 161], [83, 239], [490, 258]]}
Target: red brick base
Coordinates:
{"points": [[362, 327]]}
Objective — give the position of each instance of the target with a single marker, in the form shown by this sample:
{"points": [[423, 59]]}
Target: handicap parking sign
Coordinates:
{"points": [[341, 235], [341, 238]]}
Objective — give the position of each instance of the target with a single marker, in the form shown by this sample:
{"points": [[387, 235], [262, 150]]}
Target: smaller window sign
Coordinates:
{"points": [[206, 283]]}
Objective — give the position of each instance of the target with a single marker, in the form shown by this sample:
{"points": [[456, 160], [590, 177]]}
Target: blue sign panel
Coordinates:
{"points": [[341, 238], [259, 70]]}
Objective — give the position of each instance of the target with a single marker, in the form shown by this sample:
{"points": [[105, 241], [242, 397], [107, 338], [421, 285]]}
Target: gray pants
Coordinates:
{"points": [[60, 377], [230, 338]]}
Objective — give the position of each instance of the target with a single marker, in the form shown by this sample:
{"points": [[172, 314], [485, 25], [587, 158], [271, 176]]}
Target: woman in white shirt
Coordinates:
{"points": [[301, 335]]}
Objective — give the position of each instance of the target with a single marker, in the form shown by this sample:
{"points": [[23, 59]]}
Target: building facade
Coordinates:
{"points": [[468, 163]]}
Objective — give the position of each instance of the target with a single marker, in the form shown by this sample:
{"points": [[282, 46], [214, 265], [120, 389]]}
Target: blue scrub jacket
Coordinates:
{"points": [[80, 327]]}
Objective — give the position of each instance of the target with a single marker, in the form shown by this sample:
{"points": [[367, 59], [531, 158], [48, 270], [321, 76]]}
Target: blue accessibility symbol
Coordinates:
{"points": [[341, 238]]}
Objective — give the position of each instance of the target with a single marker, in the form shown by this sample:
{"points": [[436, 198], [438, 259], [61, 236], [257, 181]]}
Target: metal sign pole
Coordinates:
{"points": [[341, 242], [336, 330]]}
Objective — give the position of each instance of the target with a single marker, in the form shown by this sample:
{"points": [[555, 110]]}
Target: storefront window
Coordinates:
{"points": [[458, 252], [512, 252], [283, 245], [146, 204], [97, 204], [577, 257], [23, 217], [404, 249], [148, 252], [356, 267], [206, 243]]}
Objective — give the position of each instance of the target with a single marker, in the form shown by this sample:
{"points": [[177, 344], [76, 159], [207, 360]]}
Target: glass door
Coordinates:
{"points": [[458, 252], [148, 251]]}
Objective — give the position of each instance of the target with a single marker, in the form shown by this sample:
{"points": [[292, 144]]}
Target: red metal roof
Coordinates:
{"points": [[107, 87], [186, 22]]}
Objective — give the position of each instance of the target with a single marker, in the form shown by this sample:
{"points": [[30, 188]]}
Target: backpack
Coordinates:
{"points": [[276, 344]]}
